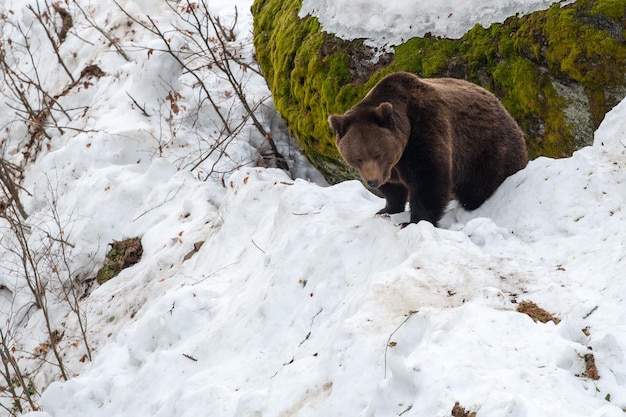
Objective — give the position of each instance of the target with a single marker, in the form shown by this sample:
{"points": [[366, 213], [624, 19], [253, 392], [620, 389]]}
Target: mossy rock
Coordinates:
{"points": [[557, 71]]}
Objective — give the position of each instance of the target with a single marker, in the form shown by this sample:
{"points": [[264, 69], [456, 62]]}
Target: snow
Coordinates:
{"points": [[301, 302], [387, 23]]}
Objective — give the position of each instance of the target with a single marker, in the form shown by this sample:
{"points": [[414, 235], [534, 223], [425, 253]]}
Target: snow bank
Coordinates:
{"points": [[301, 302], [611, 134], [385, 23]]}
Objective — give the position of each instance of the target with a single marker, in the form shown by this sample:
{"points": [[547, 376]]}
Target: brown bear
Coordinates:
{"points": [[429, 141]]}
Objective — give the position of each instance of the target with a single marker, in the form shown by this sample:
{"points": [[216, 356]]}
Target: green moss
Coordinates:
{"points": [[519, 76], [528, 95], [313, 74], [610, 8], [425, 56], [107, 272], [594, 62], [481, 46], [580, 43]]}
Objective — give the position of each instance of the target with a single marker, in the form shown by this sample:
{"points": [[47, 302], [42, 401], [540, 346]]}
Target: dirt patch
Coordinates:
{"points": [[123, 254], [591, 371], [458, 411], [536, 313], [92, 71]]}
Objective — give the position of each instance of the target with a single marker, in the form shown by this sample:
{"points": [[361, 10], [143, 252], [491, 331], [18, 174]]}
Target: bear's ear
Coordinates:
{"points": [[384, 112], [338, 124]]}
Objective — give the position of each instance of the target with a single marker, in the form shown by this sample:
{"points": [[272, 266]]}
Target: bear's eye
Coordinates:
{"points": [[358, 162], [378, 157]]}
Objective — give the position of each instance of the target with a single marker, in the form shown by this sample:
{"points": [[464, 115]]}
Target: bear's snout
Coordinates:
{"points": [[373, 174]]}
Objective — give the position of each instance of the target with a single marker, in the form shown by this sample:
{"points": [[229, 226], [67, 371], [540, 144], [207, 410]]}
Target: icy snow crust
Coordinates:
{"points": [[301, 302], [386, 23]]}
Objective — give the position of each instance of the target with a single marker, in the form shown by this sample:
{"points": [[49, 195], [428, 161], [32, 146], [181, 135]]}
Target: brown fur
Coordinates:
{"points": [[430, 140]]}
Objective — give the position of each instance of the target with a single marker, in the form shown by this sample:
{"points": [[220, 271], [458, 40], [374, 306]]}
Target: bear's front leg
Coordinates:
{"points": [[427, 203], [395, 195]]}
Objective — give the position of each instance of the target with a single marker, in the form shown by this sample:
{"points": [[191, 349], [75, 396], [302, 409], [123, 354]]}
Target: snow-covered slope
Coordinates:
{"points": [[301, 302], [290, 306]]}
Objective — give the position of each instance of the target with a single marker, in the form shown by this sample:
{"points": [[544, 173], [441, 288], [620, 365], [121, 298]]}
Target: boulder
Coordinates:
{"points": [[557, 71]]}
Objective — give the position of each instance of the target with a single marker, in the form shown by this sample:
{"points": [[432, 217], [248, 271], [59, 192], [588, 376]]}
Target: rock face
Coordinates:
{"points": [[557, 71]]}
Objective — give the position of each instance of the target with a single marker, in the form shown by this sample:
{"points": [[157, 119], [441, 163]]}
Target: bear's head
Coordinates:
{"points": [[371, 140]]}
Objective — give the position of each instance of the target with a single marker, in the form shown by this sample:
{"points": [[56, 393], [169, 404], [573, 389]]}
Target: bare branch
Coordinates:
{"points": [[104, 33], [40, 16]]}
